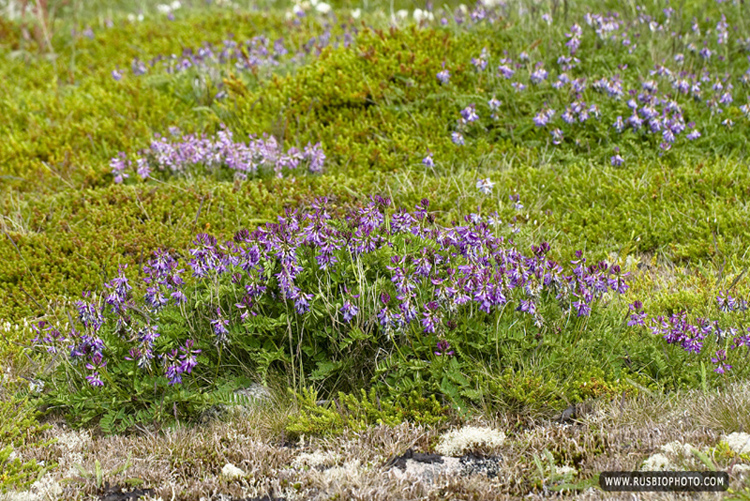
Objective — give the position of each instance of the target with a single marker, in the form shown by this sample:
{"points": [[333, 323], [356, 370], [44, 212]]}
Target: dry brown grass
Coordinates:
{"points": [[185, 463]]}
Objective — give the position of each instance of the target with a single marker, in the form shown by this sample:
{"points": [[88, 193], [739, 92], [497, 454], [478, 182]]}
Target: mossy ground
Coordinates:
{"points": [[677, 220]]}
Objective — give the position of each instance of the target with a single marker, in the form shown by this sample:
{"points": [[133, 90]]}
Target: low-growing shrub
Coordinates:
{"points": [[19, 430], [348, 411]]}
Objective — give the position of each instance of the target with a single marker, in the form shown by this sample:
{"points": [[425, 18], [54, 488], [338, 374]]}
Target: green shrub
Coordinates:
{"points": [[19, 430], [349, 411]]}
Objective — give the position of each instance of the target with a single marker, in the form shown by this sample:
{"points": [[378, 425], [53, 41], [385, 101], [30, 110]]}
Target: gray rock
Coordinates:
{"points": [[428, 466]]}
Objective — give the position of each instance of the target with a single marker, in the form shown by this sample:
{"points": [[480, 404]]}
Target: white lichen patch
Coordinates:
{"points": [[345, 474], [74, 440], [657, 462], [738, 442], [673, 456], [678, 449], [316, 459], [70, 463], [43, 489], [459, 442], [741, 469], [230, 471], [566, 471]]}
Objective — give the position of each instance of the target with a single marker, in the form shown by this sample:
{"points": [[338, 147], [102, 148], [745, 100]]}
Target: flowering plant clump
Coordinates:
{"points": [[185, 153], [395, 295], [257, 56], [566, 92], [693, 335]]}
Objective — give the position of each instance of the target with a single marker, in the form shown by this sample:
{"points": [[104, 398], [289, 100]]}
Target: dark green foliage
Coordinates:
{"points": [[348, 411], [19, 430]]}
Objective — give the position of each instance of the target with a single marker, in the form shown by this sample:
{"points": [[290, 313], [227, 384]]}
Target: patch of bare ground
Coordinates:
{"points": [[247, 456]]}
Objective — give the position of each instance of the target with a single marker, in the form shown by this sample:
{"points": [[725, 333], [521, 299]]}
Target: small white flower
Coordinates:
{"points": [[176, 5], [357, 13], [420, 15], [36, 385], [323, 8], [485, 186], [164, 8]]}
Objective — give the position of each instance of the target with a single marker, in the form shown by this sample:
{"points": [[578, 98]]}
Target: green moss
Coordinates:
{"points": [[19, 431], [349, 411]]}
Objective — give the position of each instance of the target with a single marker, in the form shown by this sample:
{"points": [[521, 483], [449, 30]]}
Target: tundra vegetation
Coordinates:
{"points": [[400, 218]]}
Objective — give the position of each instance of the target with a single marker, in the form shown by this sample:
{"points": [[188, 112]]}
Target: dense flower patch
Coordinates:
{"points": [[248, 56], [693, 333], [690, 90], [184, 153], [344, 288]]}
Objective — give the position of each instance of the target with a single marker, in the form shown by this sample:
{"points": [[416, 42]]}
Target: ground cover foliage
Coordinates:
{"points": [[492, 208]]}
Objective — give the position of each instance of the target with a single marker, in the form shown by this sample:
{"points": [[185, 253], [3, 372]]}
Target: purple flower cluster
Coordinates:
{"points": [[245, 56], [652, 107], [120, 314], [692, 335], [178, 363], [163, 281], [461, 271], [453, 271], [181, 154]]}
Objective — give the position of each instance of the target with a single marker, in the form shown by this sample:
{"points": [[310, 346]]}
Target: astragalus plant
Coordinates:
{"points": [[345, 300]]}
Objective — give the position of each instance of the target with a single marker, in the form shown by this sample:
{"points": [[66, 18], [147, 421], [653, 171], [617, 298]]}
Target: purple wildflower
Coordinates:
{"points": [[543, 117], [443, 348], [349, 311], [469, 114], [719, 360], [96, 364], [220, 328], [118, 165], [557, 136], [539, 75], [485, 186]]}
